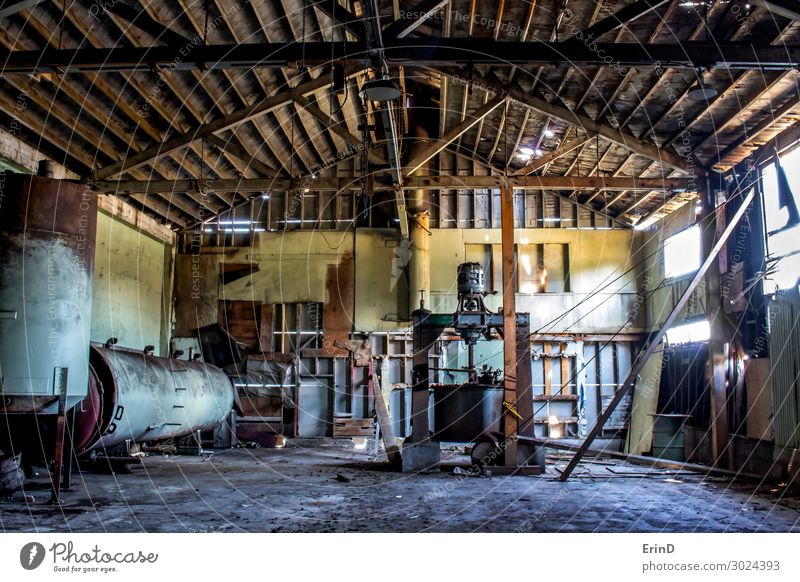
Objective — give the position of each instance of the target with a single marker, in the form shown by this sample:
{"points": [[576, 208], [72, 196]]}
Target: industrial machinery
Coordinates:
{"points": [[58, 394], [47, 241], [138, 397], [474, 411]]}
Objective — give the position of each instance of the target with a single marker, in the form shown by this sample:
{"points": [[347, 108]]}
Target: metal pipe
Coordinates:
{"points": [[418, 205]]}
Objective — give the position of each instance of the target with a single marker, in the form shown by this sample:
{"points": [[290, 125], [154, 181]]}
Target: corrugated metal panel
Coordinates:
{"points": [[785, 367]]}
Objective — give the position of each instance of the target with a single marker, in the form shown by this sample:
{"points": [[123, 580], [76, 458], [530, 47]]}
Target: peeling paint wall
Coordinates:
{"points": [[130, 273], [293, 266]]}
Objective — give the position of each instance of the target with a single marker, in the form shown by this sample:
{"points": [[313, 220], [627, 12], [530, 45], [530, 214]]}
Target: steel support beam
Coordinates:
{"points": [[421, 52]]}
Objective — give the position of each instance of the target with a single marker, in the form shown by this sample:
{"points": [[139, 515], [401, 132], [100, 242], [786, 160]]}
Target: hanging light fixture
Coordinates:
{"points": [[380, 90], [702, 92]]}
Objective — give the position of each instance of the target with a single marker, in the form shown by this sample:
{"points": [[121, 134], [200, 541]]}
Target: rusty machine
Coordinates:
{"points": [[58, 394], [474, 411]]}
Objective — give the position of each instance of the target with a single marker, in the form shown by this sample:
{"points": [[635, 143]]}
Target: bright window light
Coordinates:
{"points": [[682, 252], [782, 245], [689, 333]]}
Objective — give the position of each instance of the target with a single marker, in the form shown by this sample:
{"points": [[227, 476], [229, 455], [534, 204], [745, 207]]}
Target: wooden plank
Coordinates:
{"points": [[647, 461], [385, 423], [564, 371], [266, 339]]}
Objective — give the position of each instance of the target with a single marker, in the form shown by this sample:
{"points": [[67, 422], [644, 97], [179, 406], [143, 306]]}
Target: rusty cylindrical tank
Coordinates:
{"points": [[47, 240], [140, 398]]}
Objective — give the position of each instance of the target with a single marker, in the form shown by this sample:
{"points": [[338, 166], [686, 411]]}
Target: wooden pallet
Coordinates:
{"points": [[350, 427]]}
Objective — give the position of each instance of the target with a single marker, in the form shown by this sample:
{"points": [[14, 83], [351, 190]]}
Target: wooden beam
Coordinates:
{"points": [[656, 338], [624, 138], [550, 157], [146, 23], [385, 420], [420, 12], [336, 127], [264, 106], [738, 115], [509, 323], [773, 118], [11, 8], [453, 134], [228, 145], [619, 19], [786, 8], [410, 183], [342, 16]]}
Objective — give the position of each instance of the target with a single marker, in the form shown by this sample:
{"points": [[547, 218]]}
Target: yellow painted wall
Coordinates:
{"points": [[597, 258], [129, 276], [293, 266]]}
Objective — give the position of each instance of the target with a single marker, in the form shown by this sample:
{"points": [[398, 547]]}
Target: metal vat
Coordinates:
{"points": [[137, 397], [47, 240], [462, 413]]}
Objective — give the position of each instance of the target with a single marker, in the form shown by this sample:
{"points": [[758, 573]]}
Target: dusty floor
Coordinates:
{"points": [[297, 490]]}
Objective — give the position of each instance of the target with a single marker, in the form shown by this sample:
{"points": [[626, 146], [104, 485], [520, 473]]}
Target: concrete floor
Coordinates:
{"points": [[297, 490]]}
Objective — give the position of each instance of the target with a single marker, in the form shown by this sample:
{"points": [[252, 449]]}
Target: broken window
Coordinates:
{"points": [[783, 233], [683, 252]]}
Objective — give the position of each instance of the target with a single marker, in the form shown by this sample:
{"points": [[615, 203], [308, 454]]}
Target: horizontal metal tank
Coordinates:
{"points": [[138, 397], [462, 413], [47, 241]]}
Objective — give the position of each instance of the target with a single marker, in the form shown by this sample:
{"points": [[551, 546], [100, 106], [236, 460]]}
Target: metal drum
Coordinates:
{"points": [[47, 240], [140, 398], [668, 433], [462, 413]]}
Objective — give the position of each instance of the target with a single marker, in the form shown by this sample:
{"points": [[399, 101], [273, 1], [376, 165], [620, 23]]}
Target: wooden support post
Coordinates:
{"points": [[718, 344], [524, 383], [59, 384], [656, 338], [509, 322]]}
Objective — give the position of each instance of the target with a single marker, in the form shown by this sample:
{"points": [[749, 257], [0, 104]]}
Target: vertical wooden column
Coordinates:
{"points": [[509, 322], [524, 376], [721, 333]]}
